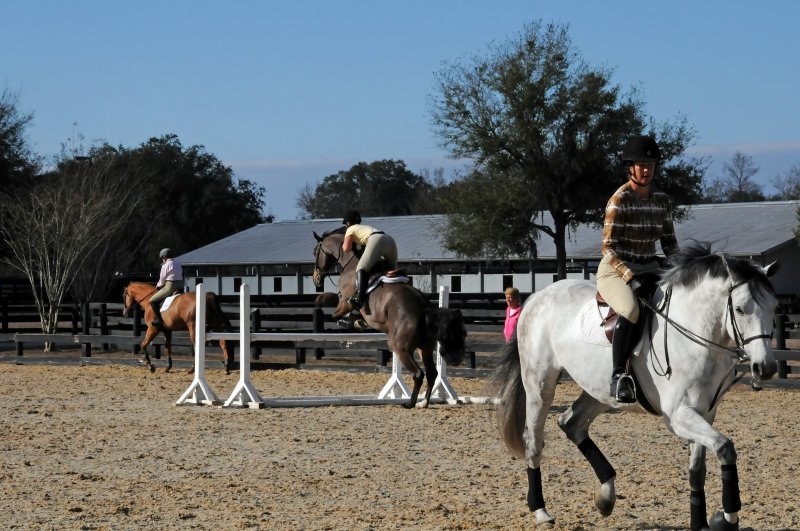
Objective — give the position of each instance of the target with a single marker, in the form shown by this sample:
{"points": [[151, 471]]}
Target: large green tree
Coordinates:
{"points": [[379, 188], [545, 130]]}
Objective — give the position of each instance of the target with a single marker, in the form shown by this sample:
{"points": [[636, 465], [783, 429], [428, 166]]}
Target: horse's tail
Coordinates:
{"points": [[215, 317], [447, 326], [507, 384]]}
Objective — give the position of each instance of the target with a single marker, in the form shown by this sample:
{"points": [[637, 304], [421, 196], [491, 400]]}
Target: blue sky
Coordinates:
{"points": [[290, 92]]}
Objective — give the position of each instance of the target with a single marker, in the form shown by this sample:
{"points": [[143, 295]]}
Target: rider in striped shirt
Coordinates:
{"points": [[637, 215]]}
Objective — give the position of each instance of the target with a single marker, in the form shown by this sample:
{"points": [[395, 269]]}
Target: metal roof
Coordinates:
{"points": [[749, 229]]}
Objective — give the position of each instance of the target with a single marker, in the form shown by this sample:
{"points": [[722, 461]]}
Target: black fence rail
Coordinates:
{"points": [[101, 326]]}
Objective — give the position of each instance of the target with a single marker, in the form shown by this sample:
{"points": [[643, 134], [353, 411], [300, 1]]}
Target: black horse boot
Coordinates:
{"points": [[622, 387], [361, 289], [157, 312]]}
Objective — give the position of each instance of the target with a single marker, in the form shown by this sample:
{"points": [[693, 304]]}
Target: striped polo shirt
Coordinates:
{"points": [[631, 227]]}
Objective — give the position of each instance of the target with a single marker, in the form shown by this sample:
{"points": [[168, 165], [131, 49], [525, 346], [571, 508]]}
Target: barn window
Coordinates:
{"points": [[237, 284], [277, 284], [455, 283]]}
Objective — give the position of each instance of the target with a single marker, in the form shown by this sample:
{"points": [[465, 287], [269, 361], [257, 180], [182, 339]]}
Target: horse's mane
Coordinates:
{"points": [[340, 230], [696, 260]]}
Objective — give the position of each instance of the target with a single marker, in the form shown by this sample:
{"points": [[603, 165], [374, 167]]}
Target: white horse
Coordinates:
{"points": [[682, 367]]}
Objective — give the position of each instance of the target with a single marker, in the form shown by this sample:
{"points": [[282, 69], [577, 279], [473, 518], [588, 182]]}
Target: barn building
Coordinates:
{"points": [[277, 258]]}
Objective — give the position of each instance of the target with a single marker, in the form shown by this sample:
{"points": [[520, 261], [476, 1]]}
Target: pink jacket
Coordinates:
{"points": [[512, 314]]}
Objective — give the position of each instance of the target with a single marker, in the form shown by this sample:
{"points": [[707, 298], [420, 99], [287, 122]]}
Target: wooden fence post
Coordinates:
{"points": [[137, 328], [255, 326], [86, 325], [104, 323], [780, 341], [74, 312], [319, 327], [4, 305]]}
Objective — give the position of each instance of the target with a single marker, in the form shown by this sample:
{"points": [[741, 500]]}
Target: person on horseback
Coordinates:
{"points": [[636, 216], [170, 280], [375, 245]]}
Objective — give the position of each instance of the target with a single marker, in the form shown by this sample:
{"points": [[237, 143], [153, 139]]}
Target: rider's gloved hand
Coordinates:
{"points": [[637, 288]]}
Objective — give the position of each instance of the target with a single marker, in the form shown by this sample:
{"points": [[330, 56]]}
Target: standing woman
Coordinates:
{"points": [[376, 245], [637, 215], [513, 309]]}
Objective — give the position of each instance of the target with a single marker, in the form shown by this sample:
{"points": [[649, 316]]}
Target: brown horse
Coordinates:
{"points": [[179, 317], [399, 310]]}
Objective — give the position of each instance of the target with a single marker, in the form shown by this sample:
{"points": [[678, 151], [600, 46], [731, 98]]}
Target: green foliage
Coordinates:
{"points": [[17, 163], [380, 188], [545, 130], [190, 199]]}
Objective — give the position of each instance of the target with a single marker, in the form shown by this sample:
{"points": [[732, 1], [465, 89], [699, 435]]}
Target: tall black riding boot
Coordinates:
{"points": [[622, 387], [157, 311], [361, 289]]}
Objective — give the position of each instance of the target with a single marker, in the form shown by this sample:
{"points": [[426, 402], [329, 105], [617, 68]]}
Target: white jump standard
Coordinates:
{"points": [[246, 395]]}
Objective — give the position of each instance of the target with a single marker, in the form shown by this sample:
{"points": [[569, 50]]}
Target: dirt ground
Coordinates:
{"points": [[105, 447]]}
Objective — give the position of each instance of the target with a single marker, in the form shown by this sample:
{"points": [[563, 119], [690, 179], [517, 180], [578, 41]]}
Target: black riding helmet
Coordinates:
{"points": [[641, 149], [165, 253], [352, 217]]}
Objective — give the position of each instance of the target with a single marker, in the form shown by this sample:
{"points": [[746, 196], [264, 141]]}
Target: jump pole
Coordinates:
{"points": [[199, 392], [442, 390], [245, 393]]}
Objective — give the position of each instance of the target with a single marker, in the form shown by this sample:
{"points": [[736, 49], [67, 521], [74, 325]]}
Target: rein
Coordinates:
{"points": [[319, 272], [137, 301], [738, 352]]}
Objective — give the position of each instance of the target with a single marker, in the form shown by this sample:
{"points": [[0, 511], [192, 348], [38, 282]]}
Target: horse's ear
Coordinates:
{"points": [[317, 236], [772, 268]]}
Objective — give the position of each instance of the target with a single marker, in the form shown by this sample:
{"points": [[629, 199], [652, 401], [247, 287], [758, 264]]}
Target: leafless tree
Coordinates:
{"points": [[737, 184], [51, 227], [788, 184]]}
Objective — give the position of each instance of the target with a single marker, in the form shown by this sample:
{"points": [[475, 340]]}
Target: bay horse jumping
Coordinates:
{"points": [[179, 317], [683, 367], [399, 310]]}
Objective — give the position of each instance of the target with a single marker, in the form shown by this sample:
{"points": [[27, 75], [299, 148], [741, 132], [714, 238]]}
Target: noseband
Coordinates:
{"points": [[741, 341]]}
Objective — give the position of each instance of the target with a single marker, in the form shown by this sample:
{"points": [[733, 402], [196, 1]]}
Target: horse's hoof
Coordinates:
{"points": [[543, 517], [152, 369], [167, 369], [422, 404], [604, 505], [408, 405], [719, 523]]}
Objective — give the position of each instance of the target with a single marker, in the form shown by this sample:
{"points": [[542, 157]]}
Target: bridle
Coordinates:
{"points": [[319, 273], [126, 295], [738, 352]]}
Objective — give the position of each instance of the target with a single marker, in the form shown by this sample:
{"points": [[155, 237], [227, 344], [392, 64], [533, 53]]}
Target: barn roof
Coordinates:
{"points": [[742, 229]]}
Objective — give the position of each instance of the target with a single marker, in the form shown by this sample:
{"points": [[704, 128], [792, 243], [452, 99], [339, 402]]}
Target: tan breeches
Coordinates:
{"points": [[617, 293]]}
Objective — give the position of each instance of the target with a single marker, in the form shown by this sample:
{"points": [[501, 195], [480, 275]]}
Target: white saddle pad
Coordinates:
{"points": [[588, 324], [588, 328], [168, 301], [387, 280]]}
